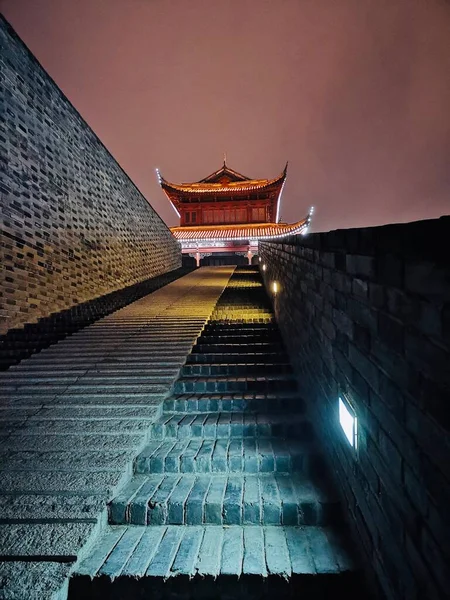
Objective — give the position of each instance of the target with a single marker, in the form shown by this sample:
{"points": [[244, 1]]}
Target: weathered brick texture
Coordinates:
{"points": [[366, 312], [74, 226]]}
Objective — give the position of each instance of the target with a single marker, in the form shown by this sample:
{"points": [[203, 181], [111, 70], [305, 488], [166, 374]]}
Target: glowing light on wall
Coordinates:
{"points": [[275, 287], [264, 267], [349, 422]]}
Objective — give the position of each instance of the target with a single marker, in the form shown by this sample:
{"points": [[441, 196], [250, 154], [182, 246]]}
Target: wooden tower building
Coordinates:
{"points": [[224, 215]]}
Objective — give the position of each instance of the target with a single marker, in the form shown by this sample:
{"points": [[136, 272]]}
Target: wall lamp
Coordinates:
{"points": [[348, 421]]}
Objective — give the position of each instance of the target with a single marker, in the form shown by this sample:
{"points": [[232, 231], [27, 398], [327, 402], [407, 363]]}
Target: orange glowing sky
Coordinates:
{"points": [[354, 93]]}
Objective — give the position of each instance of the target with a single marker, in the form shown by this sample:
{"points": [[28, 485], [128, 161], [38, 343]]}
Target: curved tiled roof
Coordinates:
{"points": [[226, 187], [224, 180], [257, 231]]}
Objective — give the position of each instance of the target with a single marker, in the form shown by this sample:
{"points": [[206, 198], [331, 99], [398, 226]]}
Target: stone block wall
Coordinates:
{"points": [[366, 312], [73, 225]]}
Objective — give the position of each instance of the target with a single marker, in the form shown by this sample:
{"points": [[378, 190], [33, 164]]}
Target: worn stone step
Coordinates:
{"points": [[235, 384], [230, 425], [217, 326], [239, 315], [50, 508], [237, 499], [244, 302], [241, 333], [169, 561], [238, 319], [248, 302], [237, 357], [52, 542], [242, 369], [250, 455], [232, 338], [287, 402], [149, 348], [90, 377], [111, 340], [38, 361], [236, 348], [73, 441]]}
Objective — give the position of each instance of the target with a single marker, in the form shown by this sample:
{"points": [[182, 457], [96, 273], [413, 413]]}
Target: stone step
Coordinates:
{"points": [[111, 388], [98, 369], [243, 303], [91, 378], [236, 348], [236, 499], [215, 325], [100, 358], [239, 335], [113, 337], [231, 425], [238, 320], [128, 345], [242, 312], [237, 357], [235, 384], [252, 300], [243, 340], [250, 368], [250, 455], [268, 403], [217, 562], [239, 329], [260, 316]]}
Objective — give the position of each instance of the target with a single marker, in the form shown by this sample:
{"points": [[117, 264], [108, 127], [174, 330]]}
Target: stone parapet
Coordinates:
{"points": [[365, 312]]}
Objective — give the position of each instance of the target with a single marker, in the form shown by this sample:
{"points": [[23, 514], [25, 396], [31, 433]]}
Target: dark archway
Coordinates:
{"points": [[223, 258]]}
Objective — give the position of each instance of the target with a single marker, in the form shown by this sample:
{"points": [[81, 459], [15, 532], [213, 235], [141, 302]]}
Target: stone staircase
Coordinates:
{"points": [[230, 497], [22, 342]]}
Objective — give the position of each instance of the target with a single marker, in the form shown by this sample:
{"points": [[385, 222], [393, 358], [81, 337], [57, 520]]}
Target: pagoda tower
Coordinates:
{"points": [[225, 214]]}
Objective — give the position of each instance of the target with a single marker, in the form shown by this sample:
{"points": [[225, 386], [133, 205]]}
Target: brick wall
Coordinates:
{"points": [[367, 312], [74, 226]]}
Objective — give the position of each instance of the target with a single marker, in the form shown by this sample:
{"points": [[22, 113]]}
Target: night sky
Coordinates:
{"points": [[354, 93]]}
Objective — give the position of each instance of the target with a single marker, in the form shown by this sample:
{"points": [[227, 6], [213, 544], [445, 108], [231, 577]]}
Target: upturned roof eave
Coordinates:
{"points": [[238, 232], [205, 189]]}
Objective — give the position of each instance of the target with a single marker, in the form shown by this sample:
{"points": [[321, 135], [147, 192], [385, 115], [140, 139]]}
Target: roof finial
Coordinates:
{"points": [[224, 159]]}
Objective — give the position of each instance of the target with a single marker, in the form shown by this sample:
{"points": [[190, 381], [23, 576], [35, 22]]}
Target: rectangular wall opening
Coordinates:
{"points": [[348, 421]]}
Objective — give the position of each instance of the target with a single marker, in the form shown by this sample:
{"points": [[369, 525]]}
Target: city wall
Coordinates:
{"points": [[73, 225], [365, 313]]}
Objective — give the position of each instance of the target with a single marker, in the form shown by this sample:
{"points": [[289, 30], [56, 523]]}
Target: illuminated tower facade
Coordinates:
{"points": [[225, 214]]}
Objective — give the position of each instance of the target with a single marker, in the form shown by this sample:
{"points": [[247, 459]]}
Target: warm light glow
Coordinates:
{"points": [[264, 267], [349, 422], [275, 288], [259, 258]]}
